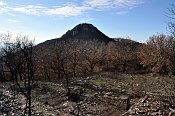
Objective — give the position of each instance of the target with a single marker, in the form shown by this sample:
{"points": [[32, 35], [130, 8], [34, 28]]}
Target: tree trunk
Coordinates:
{"points": [[124, 67], [67, 86]]}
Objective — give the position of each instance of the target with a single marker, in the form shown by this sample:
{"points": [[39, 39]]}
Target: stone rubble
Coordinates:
{"points": [[148, 106], [11, 105], [92, 101]]}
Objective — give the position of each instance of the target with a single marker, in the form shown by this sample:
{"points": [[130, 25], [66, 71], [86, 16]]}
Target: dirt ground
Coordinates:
{"points": [[103, 94]]}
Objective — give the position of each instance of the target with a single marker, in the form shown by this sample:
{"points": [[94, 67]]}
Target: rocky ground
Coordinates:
{"points": [[90, 96], [12, 104], [149, 106]]}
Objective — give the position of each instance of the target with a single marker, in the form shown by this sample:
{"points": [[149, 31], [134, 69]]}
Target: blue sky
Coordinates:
{"points": [[48, 19]]}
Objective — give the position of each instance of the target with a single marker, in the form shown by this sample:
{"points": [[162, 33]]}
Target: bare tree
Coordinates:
{"points": [[110, 56], [60, 60], [18, 58], [27, 51], [43, 62], [2, 75], [93, 55], [74, 57], [75, 50], [122, 55], [158, 53], [171, 16]]}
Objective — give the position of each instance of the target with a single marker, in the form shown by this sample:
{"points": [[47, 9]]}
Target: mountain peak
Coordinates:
{"points": [[85, 31], [85, 27]]}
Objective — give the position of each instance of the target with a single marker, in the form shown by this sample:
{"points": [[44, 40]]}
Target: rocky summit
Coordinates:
{"points": [[84, 32]]}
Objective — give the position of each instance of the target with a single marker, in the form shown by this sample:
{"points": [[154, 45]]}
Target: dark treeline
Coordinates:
{"points": [[79, 57], [72, 58], [76, 58]]}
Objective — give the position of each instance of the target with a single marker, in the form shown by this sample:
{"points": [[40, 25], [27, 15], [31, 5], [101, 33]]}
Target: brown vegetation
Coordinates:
{"points": [[67, 60]]}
